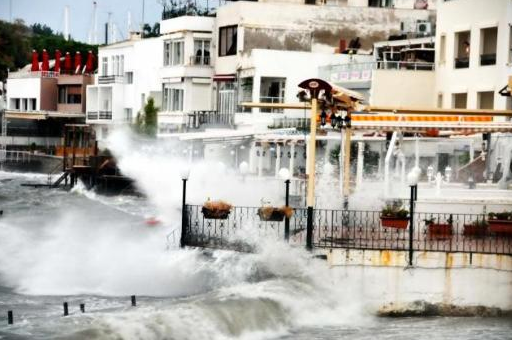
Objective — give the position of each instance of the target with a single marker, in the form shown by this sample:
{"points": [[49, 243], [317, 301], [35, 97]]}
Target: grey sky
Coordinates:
{"points": [[51, 13]]}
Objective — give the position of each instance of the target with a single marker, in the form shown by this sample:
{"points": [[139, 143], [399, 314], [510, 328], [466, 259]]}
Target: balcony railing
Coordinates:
{"points": [[35, 74], [406, 65], [488, 59], [272, 100], [92, 115], [105, 115], [200, 60], [199, 119], [110, 79], [462, 62]]}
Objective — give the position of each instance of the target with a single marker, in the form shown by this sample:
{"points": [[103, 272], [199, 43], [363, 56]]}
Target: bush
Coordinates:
{"points": [[394, 209]]}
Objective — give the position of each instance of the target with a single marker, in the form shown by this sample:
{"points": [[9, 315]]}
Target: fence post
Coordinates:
{"points": [[411, 222], [10, 317], [183, 238], [309, 229], [287, 219]]}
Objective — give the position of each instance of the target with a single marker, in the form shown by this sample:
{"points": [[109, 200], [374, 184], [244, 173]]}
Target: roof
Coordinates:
{"points": [[41, 115]]}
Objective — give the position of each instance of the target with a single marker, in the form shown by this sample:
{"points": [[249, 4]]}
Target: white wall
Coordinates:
{"points": [[24, 88], [473, 15], [189, 23], [403, 88]]}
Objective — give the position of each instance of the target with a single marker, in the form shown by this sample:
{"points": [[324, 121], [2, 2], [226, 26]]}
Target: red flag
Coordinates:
{"points": [[78, 62], [67, 63], [35, 61], [45, 66], [89, 64], [56, 68]]}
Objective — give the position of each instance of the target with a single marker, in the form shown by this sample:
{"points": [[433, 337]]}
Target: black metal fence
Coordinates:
{"points": [[243, 229]]}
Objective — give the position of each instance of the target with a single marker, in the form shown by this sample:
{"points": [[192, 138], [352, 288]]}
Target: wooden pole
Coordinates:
{"points": [[312, 155]]}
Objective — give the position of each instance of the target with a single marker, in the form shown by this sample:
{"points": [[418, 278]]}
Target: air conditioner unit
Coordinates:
{"points": [[424, 28]]}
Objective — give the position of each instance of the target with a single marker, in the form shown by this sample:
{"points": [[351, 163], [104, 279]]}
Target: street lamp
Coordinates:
{"points": [[244, 169], [185, 173], [412, 179], [284, 174]]}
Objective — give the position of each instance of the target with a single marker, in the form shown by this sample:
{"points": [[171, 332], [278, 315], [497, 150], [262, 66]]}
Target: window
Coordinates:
{"points": [[173, 99], [113, 58], [201, 52], [104, 132], [104, 66], [129, 77], [381, 3], [128, 113], [460, 100], [488, 44], [510, 45], [173, 52], [62, 94], [442, 49], [121, 65], [33, 104], [486, 100], [462, 49], [439, 100], [227, 40]]}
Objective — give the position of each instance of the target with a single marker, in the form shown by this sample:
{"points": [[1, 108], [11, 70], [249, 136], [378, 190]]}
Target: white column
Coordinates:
{"points": [[278, 159], [341, 158], [360, 161], [417, 147], [471, 151], [307, 154], [292, 158], [256, 85], [252, 153], [260, 163]]}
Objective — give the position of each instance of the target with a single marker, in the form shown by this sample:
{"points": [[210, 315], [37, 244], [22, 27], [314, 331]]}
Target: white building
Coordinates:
{"points": [[173, 68], [474, 54]]}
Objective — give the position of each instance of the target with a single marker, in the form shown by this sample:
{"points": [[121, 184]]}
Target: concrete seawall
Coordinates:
{"points": [[461, 279]]}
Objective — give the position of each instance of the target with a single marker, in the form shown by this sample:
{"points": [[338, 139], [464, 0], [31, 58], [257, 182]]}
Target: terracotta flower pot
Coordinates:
{"points": [[500, 226], [394, 222], [271, 214], [440, 230], [474, 230], [215, 214]]}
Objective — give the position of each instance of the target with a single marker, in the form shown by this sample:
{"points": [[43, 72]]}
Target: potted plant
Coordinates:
{"points": [[500, 223], [438, 229], [476, 228], [393, 215], [276, 214], [217, 210]]}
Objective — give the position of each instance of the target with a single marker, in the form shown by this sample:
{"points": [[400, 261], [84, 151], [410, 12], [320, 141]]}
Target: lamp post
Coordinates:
{"points": [[184, 177], [244, 169], [285, 175], [412, 179]]}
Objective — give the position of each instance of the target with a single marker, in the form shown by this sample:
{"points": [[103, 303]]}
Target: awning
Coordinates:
{"points": [[41, 115], [224, 77]]}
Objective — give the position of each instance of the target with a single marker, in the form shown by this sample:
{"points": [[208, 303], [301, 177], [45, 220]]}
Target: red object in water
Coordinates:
{"points": [[67, 63], [35, 61], [152, 221], [342, 45], [56, 68], [45, 65], [89, 64], [78, 62]]}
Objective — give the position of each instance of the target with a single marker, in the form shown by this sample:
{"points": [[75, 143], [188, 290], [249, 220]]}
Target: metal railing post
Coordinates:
{"points": [[411, 222], [183, 238], [287, 219], [309, 229]]}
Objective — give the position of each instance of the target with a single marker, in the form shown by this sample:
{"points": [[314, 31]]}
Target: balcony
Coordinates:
{"points": [[95, 115], [201, 119], [272, 100], [110, 79], [200, 60], [462, 62], [488, 59]]}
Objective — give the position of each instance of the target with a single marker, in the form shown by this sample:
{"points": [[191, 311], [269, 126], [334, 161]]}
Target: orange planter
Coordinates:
{"points": [[440, 230], [394, 222], [500, 226]]}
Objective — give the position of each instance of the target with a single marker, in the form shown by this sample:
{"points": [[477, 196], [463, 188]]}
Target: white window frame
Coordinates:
{"points": [[173, 98], [171, 49]]}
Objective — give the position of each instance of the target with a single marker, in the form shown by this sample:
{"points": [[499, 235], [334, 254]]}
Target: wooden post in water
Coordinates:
{"points": [[65, 305], [82, 307], [134, 301], [10, 317]]}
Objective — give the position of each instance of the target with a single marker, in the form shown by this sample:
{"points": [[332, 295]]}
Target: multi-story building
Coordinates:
{"points": [[40, 103], [474, 54]]}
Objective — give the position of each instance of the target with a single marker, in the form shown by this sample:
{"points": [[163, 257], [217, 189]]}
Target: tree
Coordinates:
{"points": [[147, 123], [151, 32]]}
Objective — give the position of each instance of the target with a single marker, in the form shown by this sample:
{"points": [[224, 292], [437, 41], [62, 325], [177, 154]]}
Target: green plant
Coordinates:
{"points": [[394, 209], [502, 216], [432, 220], [479, 224], [147, 123]]}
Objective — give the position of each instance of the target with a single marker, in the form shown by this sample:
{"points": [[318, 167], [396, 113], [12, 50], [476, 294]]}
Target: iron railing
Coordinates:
{"points": [[241, 230], [198, 119], [350, 229], [462, 62], [200, 60]]}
